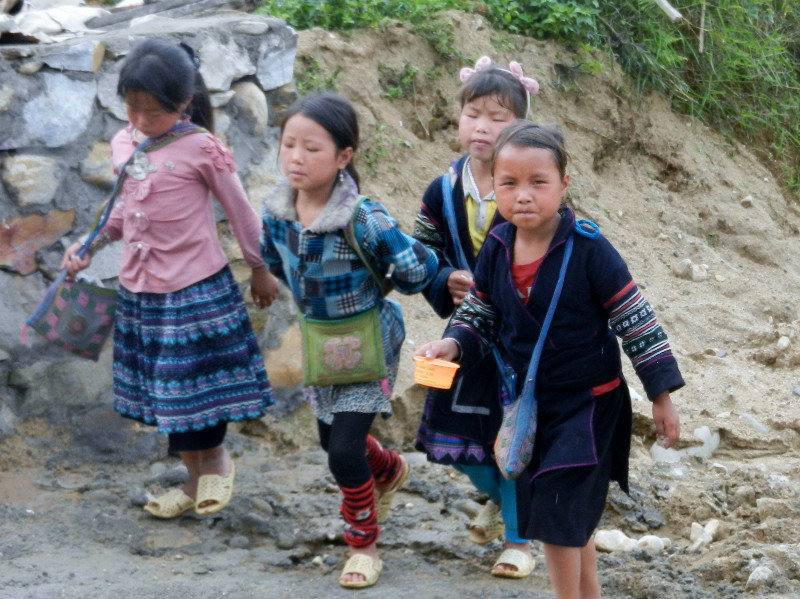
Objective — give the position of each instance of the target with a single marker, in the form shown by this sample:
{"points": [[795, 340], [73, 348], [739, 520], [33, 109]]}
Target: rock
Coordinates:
{"points": [[96, 167], [239, 542], [22, 237], [783, 343], [761, 577], [701, 536], [33, 179], [613, 540], [61, 113], [699, 272], [252, 103], [768, 507], [754, 423], [6, 95], [85, 56], [222, 63], [710, 443], [683, 269], [747, 202], [665, 455]]}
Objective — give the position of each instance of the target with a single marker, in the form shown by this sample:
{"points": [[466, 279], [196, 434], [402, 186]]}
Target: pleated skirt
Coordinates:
{"points": [[188, 360]]}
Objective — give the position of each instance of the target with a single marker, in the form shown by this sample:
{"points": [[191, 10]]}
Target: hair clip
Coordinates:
{"points": [[484, 62]]}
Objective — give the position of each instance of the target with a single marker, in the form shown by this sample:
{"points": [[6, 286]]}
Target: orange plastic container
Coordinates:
{"points": [[433, 372]]}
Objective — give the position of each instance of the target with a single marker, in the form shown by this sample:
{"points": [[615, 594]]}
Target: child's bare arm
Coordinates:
{"points": [[666, 419]]}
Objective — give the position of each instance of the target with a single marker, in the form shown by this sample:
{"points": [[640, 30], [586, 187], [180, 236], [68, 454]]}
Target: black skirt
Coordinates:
{"points": [[582, 443]]}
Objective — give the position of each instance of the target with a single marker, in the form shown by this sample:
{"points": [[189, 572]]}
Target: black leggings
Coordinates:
{"points": [[208, 438], [345, 442]]}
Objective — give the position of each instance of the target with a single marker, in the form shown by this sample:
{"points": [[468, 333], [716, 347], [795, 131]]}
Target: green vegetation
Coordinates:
{"points": [[735, 64], [397, 84], [309, 76]]}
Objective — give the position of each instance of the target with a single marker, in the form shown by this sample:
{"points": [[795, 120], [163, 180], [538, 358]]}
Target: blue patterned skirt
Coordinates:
{"points": [[188, 360]]}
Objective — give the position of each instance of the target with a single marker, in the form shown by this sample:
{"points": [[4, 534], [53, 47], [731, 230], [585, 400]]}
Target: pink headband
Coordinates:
{"points": [[484, 62]]}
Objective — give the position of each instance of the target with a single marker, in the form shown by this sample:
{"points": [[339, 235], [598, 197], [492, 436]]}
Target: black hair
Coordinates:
{"points": [[526, 134], [334, 114], [170, 73], [497, 82]]}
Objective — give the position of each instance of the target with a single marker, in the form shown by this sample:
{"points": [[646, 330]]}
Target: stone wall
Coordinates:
{"points": [[58, 109]]}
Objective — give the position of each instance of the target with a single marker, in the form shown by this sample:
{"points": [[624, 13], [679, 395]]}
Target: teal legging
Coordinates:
{"points": [[502, 491]]}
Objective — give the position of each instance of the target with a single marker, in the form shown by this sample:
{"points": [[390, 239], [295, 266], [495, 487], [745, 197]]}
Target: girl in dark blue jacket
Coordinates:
{"points": [[584, 413], [458, 210]]}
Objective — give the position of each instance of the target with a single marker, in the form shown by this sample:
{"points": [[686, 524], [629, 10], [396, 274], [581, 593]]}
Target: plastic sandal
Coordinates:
{"points": [[215, 490], [383, 501], [169, 505], [523, 563], [487, 525], [368, 567]]}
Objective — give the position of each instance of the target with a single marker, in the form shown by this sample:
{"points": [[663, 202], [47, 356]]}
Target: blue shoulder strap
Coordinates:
{"points": [[450, 219]]}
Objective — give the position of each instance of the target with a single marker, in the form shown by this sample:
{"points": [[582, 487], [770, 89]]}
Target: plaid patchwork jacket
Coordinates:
{"points": [[324, 274]]}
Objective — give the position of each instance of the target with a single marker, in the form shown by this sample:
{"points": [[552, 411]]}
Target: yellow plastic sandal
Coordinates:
{"points": [[487, 525], [383, 501], [215, 491], [520, 560], [169, 505], [368, 567]]}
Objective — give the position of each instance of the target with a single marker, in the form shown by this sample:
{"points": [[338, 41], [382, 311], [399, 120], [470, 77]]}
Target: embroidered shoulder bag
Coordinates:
{"points": [[513, 448], [78, 316], [348, 350]]}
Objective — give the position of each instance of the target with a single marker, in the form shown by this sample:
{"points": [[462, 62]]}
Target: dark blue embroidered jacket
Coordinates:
{"points": [[431, 229], [581, 349]]}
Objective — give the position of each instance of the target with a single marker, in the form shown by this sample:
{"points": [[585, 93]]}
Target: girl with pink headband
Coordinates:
{"points": [[459, 425]]}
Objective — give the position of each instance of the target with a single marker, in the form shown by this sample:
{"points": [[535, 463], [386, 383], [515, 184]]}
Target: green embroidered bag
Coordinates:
{"points": [[345, 350]]}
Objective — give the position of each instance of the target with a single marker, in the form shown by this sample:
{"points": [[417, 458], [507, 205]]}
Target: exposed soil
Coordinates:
{"points": [[663, 189]]}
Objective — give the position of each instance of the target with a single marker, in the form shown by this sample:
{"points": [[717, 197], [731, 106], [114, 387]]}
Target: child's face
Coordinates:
{"points": [[481, 122], [309, 157], [528, 187], [148, 116]]}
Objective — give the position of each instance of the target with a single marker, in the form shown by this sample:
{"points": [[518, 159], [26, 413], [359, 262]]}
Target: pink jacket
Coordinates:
{"points": [[165, 214]]}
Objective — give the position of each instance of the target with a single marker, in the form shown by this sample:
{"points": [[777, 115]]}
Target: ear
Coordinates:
{"points": [[344, 158], [564, 184]]}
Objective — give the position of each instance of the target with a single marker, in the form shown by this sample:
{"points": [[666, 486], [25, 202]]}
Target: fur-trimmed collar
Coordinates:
{"points": [[336, 215]]}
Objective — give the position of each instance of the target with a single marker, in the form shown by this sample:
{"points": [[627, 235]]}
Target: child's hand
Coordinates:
{"points": [[74, 263], [444, 349], [458, 284], [665, 417], [263, 287]]}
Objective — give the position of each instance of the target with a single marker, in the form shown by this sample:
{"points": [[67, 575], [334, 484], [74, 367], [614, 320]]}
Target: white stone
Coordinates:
{"points": [[683, 268], [35, 179], [713, 529], [782, 343], [613, 540], [699, 537], [754, 423], [699, 272], [666, 456], [747, 202], [653, 544], [223, 63], [760, 577], [710, 443]]}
